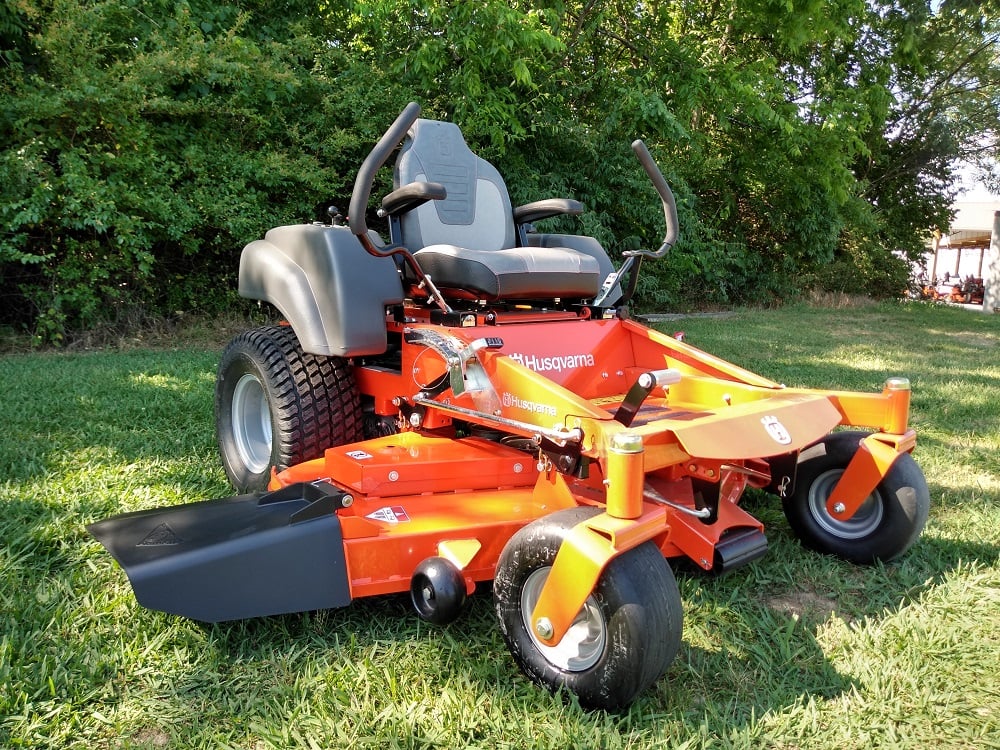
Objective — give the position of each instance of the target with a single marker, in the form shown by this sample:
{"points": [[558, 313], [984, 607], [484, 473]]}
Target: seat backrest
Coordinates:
{"points": [[476, 214]]}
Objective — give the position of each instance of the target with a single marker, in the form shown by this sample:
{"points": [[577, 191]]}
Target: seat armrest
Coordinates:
{"points": [[538, 210], [410, 196]]}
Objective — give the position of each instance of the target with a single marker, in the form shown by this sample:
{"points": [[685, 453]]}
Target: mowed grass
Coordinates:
{"points": [[794, 651]]}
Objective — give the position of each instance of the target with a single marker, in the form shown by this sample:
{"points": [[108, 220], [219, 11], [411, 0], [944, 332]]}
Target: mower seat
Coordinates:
{"points": [[467, 242]]}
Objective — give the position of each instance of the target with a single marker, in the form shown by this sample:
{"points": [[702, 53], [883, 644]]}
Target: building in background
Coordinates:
{"points": [[970, 250]]}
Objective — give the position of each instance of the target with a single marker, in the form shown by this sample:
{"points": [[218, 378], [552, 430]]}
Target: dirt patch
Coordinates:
{"points": [[807, 605], [152, 738]]}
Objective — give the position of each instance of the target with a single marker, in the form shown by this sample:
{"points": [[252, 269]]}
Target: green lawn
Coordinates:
{"points": [[796, 650]]}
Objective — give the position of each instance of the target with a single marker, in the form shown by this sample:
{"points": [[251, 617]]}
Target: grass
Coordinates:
{"points": [[795, 650]]}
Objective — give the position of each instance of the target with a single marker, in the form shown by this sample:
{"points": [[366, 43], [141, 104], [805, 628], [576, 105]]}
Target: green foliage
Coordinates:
{"points": [[153, 140], [476, 63], [809, 142], [943, 74]]}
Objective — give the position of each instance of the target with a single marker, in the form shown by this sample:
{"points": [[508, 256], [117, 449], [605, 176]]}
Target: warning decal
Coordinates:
{"points": [[393, 514], [161, 536]]}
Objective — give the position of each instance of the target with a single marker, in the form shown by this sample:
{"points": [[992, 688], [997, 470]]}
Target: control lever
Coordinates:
{"points": [[633, 258], [644, 385]]}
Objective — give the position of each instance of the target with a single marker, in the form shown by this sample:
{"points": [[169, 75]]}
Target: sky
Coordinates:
{"points": [[973, 190]]}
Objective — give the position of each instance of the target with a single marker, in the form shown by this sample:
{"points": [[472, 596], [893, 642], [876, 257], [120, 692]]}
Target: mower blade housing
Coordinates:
{"points": [[234, 558]]}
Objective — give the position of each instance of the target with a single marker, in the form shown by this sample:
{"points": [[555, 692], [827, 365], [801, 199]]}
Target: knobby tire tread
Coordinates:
{"points": [[316, 399]]}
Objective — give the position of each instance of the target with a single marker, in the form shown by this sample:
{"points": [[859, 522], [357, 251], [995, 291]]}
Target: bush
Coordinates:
{"points": [[144, 142], [144, 147]]}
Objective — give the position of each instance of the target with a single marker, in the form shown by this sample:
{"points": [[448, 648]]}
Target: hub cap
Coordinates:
{"points": [[584, 643], [252, 423], [861, 524]]}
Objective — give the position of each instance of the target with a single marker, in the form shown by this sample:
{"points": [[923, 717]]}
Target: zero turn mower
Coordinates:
{"points": [[470, 402]]}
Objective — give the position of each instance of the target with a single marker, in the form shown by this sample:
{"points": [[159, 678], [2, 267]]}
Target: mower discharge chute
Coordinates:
{"points": [[469, 402]]}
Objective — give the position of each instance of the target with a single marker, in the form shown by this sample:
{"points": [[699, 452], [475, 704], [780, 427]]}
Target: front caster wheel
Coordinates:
{"points": [[886, 524], [625, 635]]}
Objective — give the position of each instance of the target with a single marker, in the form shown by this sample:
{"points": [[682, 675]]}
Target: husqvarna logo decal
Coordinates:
{"points": [[776, 430], [512, 401], [553, 364]]}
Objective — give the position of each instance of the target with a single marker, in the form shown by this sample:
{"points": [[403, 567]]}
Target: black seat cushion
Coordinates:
{"points": [[514, 273]]}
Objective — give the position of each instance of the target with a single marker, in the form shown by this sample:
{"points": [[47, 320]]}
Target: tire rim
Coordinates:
{"points": [[865, 520], [251, 421], [584, 643]]}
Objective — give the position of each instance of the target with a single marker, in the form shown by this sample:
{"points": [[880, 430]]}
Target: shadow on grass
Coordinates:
{"points": [[740, 658], [752, 646], [362, 661]]}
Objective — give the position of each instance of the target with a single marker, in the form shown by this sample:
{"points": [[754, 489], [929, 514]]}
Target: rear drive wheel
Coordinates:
{"points": [[276, 405], [626, 634], [886, 524]]}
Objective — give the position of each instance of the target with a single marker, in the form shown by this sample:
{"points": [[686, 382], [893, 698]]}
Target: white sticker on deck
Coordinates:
{"points": [[394, 514]]}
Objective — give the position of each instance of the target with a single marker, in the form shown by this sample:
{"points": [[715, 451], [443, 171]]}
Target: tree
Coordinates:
{"points": [[142, 144], [941, 74]]}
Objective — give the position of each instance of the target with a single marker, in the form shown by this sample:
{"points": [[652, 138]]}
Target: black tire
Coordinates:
{"points": [[276, 405], [628, 631], [883, 528]]}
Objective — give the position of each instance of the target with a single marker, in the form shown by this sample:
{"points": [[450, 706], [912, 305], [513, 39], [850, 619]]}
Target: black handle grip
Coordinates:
{"points": [[373, 162], [666, 196]]}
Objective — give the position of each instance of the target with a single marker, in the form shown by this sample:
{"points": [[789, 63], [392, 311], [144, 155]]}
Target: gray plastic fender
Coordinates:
{"points": [[330, 290]]}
